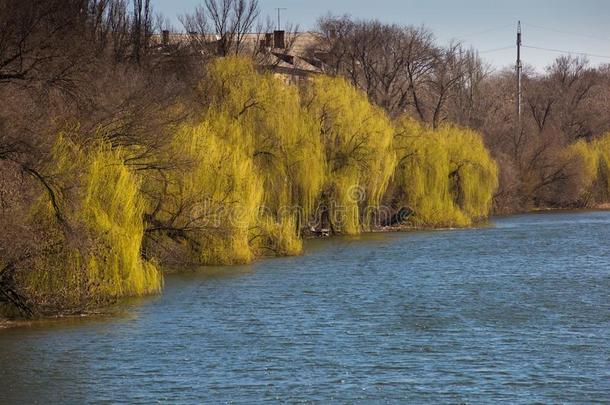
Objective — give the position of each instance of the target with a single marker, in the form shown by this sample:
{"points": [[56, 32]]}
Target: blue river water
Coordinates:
{"points": [[517, 311]]}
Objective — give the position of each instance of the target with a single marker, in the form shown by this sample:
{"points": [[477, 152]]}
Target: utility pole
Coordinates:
{"points": [[519, 68], [279, 25]]}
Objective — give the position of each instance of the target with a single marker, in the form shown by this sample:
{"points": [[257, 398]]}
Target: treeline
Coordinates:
{"points": [[404, 70], [121, 157]]}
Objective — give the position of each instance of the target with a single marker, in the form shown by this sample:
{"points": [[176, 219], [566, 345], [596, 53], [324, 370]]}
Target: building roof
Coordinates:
{"points": [[293, 58]]}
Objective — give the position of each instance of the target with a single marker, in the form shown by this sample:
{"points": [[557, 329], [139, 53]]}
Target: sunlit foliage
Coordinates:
{"points": [[255, 169], [594, 169], [210, 204], [277, 134], [445, 176], [357, 141], [104, 261], [603, 146], [278, 138]]}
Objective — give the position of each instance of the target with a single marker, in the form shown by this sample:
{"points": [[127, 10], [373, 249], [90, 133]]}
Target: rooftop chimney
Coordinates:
{"points": [[278, 39]]}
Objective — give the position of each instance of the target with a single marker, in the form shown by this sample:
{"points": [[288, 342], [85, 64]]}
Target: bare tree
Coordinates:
{"points": [[469, 106], [228, 20], [142, 22], [400, 68], [446, 76], [33, 39]]}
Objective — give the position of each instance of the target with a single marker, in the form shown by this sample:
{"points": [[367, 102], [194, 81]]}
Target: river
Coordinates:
{"points": [[517, 311]]}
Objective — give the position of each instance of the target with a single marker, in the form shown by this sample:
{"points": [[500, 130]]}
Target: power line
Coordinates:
{"points": [[593, 55], [566, 32], [497, 49]]}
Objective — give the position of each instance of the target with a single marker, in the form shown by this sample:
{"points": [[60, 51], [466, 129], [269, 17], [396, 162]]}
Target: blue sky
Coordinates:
{"points": [[570, 25]]}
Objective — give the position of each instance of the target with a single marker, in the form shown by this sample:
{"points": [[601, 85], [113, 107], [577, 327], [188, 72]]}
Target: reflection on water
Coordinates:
{"points": [[518, 312]]}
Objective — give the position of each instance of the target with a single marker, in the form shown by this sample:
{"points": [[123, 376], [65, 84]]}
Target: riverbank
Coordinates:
{"points": [[4, 324], [106, 312], [218, 270]]}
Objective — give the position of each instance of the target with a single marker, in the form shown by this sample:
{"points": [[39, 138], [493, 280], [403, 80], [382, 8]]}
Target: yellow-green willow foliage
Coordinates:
{"points": [[100, 256], [276, 133], [603, 147], [594, 181], [445, 175], [256, 168], [220, 190], [357, 140]]}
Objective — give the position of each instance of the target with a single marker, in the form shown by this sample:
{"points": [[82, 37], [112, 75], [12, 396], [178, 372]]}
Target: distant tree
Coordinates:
{"points": [[229, 20], [142, 26], [400, 67]]}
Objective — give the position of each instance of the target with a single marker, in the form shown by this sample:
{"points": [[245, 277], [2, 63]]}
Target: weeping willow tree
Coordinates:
{"points": [[593, 171], [255, 169], [208, 206], [445, 176], [603, 146], [281, 141], [279, 136], [97, 255], [357, 143]]}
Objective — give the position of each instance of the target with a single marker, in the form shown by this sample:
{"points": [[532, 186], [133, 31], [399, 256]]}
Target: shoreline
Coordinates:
{"points": [[11, 323], [5, 324], [550, 210]]}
